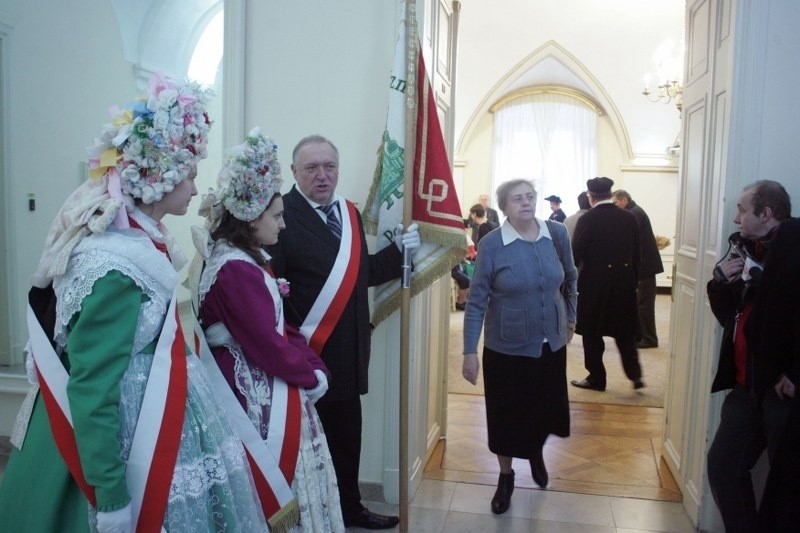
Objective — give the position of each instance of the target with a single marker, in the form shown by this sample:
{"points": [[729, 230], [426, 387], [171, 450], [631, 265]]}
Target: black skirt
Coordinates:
{"points": [[526, 400]]}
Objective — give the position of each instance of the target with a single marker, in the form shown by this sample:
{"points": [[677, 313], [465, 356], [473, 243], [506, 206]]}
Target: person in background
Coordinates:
{"points": [[650, 266], [774, 332], [114, 268], [462, 272], [481, 225], [313, 256], [754, 411], [265, 363], [516, 297], [571, 221], [606, 251], [491, 214], [557, 214]]}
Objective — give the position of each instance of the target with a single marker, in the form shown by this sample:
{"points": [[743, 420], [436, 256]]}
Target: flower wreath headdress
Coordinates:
{"points": [[153, 143], [150, 146], [250, 177]]}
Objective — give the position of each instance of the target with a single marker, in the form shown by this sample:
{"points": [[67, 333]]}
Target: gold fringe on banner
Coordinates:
{"points": [[286, 518], [370, 222], [419, 283]]}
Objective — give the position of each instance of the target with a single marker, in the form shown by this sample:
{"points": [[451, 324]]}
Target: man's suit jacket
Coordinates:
{"points": [[491, 216], [651, 257], [304, 255], [605, 247]]}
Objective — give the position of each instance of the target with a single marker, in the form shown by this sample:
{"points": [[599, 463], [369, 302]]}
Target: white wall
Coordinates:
{"points": [[779, 157], [64, 68], [324, 73]]}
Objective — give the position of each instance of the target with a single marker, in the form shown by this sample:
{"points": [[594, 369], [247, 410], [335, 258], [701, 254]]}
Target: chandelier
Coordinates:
{"points": [[666, 91], [666, 83]]}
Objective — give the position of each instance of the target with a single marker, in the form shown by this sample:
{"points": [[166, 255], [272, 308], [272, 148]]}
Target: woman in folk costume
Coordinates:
{"points": [[119, 351], [274, 376]]}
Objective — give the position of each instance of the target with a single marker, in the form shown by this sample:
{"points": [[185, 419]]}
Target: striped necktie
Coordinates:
{"points": [[333, 222]]}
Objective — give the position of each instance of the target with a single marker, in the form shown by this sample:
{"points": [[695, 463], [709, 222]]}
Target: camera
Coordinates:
{"points": [[737, 244], [739, 247], [719, 275]]}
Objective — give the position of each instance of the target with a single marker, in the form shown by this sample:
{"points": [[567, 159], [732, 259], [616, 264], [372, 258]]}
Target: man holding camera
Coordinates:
{"points": [[753, 414]]}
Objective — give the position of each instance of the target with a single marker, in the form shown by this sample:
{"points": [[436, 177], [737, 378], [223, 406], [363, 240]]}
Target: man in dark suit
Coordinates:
{"points": [[650, 266], [323, 254], [605, 247], [491, 214]]}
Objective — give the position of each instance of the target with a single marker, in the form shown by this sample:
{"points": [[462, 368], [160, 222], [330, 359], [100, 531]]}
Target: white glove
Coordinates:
{"points": [[410, 238], [119, 521], [322, 387]]}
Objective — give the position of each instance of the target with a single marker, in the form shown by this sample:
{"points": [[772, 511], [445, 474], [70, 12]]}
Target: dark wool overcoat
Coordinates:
{"points": [[605, 247]]}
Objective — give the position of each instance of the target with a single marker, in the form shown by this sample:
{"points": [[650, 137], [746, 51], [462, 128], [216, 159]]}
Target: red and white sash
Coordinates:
{"points": [[156, 441], [273, 461], [341, 282]]}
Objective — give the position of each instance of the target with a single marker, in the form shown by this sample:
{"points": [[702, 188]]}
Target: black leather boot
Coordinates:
{"points": [[502, 497], [538, 470]]}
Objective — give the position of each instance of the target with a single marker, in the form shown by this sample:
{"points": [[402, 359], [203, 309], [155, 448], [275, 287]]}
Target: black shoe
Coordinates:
{"points": [[638, 384], [538, 470], [461, 307], [366, 519], [586, 384], [502, 496], [646, 345]]}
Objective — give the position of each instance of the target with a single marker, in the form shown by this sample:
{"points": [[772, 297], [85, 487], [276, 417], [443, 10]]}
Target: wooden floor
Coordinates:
{"points": [[614, 450]]}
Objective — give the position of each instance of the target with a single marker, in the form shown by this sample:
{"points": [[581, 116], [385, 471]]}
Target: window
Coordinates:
{"points": [[207, 54], [550, 137]]}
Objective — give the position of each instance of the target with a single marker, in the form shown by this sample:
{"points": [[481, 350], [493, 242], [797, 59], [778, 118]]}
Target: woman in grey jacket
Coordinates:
{"points": [[523, 293]]}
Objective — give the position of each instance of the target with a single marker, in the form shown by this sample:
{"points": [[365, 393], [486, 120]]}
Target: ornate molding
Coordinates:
{"points": [[561, 90]]}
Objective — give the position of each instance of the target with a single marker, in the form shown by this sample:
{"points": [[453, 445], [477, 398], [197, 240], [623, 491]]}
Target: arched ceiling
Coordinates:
{"points": [[160, 35]]}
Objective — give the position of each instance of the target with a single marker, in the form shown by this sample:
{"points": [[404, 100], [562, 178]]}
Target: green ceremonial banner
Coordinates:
{"points": [[435, 207]]}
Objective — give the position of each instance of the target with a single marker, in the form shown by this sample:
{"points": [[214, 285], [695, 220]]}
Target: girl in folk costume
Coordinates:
{"points": [[273, 376], [119, 351]]}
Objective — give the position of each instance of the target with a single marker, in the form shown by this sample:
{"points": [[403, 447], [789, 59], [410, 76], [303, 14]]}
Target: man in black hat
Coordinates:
{"points": [[555, 206], [605, 247]]}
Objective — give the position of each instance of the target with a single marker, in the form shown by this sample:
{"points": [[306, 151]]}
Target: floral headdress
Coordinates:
{"points": [[153, 143], [250, 177]]}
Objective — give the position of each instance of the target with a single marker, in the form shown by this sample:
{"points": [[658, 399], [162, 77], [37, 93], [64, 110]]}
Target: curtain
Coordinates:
{"points": [[550, 139]]}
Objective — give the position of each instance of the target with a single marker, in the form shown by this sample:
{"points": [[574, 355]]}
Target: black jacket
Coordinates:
{"points": [[727, 300], [651, 263], [605, 247], [773, 329], [304, 255], [772, 340]]}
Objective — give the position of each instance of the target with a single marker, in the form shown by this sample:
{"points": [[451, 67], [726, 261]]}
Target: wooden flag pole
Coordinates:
{"points": [[405, 292]]}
